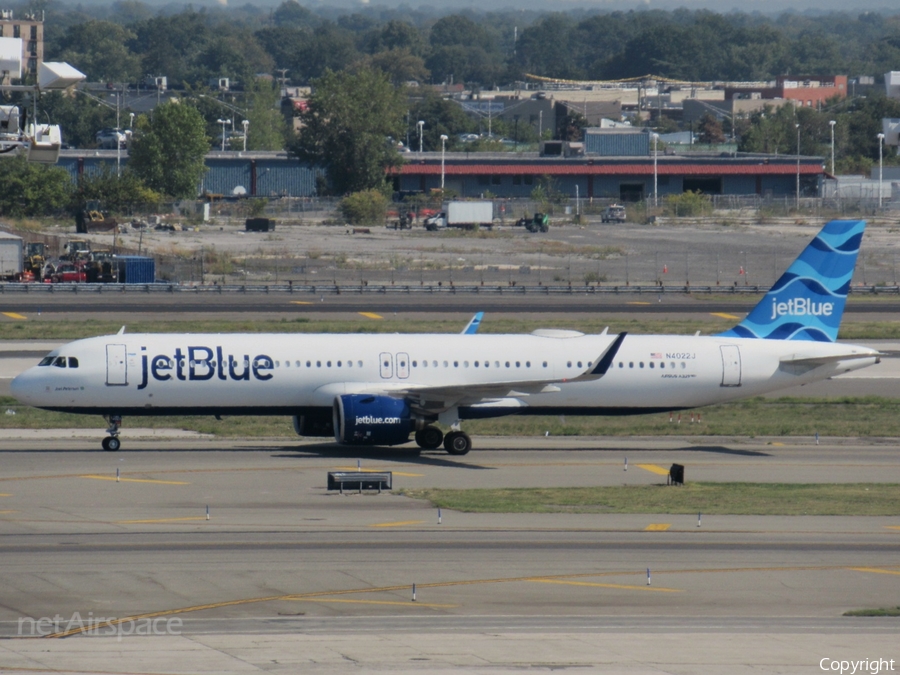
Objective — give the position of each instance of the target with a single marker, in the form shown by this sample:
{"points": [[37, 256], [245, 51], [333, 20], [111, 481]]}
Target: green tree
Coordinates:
{"points": [[347, 125], [99, 49], [167, 151], [267, 126], [441, 117], [79, 116], [118, 194], [28, 189], [367, 207], [710, 130]]}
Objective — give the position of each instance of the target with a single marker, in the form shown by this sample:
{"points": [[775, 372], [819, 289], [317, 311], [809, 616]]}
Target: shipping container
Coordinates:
{"points": [[135, 269]]}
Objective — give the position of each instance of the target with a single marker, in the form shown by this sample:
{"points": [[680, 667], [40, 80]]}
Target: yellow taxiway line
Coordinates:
{"points": [[300, 302], [653, 468], [371, 315], [723, 315], [160, 520], [657, 527], [13, 315], [399, 523], [135, 480], [405, 603], [874, 570], [593, 584]]}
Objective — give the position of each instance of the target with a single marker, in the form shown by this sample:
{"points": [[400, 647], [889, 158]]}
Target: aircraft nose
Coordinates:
{"points": [[22, 387]]}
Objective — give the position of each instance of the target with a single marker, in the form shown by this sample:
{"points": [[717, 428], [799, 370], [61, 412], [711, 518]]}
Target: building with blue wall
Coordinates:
{"points": [[256, 174]]}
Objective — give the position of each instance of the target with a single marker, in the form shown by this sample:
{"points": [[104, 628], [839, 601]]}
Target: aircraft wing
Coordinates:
{"points": [[446, 396]]}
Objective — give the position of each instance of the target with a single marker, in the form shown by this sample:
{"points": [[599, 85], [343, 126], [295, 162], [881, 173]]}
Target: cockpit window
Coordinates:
{"points": [[73, 362], [46, 361], [60, 362]]}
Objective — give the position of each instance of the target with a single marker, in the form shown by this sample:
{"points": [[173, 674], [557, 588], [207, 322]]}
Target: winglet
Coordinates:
{"points": [[473, 325], [604, 362], [121, 331]]}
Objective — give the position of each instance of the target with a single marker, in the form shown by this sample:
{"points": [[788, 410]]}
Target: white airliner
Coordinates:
{"points": [[380, 389]]}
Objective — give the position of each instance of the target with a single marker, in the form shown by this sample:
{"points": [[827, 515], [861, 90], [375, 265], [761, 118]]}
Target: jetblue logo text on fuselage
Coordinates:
{"points": [[203, 363], [801, 307]]}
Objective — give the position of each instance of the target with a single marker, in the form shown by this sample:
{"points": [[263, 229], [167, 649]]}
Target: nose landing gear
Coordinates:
{"points": [[111, 443]]}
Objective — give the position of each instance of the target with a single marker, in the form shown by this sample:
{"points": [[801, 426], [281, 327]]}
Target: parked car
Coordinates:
{"points": [[67, 273], [614, 213]]}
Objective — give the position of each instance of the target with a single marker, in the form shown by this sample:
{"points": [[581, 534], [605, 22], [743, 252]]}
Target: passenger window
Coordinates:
{"points": [[621, 365], [73, 362], [528, 364], [465, 364], [309, 364], [568, 364], [518, 364], [456, 364], [339, 364], [507, 364], [631, 364], [328, 364], [579, 364], [662, 364], [651, 365], [318, 364], [496, 364], [445, 364], [476, 364], [642, 364], [415, 364], [545, 364]]}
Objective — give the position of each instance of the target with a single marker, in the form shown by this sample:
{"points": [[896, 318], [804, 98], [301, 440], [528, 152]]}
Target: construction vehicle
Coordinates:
{"points": [[92, 218], [35, 258], [77, 250]]}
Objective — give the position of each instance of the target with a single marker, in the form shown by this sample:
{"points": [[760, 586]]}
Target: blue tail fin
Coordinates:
{"points": [[807, 302]]}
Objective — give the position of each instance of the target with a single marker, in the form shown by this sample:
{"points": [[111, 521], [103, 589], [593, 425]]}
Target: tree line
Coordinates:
{"points": [[130, 40]]}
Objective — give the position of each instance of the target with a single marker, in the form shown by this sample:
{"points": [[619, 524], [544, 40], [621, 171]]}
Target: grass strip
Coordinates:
{"points": [[49, 327], [884, 611], [738, 499], [863, 417]]}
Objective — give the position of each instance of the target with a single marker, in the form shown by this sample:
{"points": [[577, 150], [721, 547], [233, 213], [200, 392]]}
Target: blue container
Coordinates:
{"points": [[135, 269]]}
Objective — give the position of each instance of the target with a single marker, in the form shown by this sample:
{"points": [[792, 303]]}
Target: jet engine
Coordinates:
{"points": [[361, 419]]}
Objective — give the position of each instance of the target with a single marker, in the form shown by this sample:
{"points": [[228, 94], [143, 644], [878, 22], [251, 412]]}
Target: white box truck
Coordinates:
{"points": [[468, 215], [11, 260]]}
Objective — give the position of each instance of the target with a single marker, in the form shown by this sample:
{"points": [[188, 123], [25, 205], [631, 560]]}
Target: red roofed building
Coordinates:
{"points": [[809, 91], [620, 178]]}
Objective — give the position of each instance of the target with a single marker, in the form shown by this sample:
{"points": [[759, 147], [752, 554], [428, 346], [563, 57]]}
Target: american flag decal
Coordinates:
{"points": [[656, 355]]}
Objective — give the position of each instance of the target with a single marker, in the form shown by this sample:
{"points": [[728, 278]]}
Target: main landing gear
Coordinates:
{"points": [[111, 443], [429, 438], [455, 442]]}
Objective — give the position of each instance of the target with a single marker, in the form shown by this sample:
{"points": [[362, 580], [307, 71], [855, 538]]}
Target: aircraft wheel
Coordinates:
{"points": [[457, 443], [429, 438], [111, 444]]}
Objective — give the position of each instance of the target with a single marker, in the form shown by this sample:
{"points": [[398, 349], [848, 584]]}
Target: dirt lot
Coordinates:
{"points": [[701, 254]]}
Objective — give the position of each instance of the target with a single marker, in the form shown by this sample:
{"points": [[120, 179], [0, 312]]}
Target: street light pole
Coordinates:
{"points": [[420, 124], [223, 123], [798, 165], [880, 167], [246, 125], [655, 173], [443, 149], [831, 124]]}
